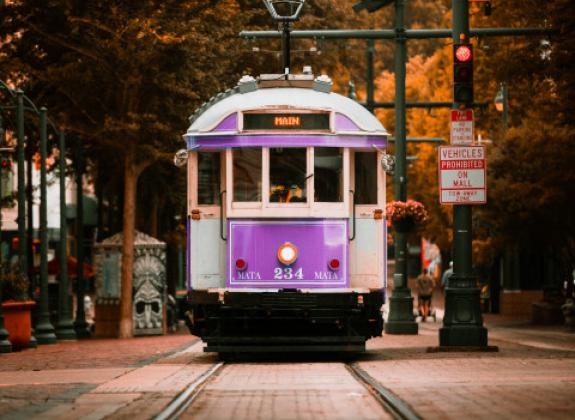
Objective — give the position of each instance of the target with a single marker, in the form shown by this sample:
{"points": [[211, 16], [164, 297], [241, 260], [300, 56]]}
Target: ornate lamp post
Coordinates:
{"points": [[284, 12]]}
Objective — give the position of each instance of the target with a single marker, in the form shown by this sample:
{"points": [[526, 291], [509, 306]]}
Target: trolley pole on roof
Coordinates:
{"points": [[285, 48], [284, 12]]}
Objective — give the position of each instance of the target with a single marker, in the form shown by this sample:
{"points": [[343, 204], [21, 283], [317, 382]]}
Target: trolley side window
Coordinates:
{"points": [[328, 174], [288, 175], [365, 178], [208, 178], [247, 171]]}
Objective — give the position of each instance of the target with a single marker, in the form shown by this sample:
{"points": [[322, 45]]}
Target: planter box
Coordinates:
{"points": [[18, 323]]}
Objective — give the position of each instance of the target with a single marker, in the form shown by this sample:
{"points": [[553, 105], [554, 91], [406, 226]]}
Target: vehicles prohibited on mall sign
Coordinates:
{"points": [[462, 175]]}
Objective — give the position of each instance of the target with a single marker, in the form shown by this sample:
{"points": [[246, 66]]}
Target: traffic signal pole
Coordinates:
{"points": [[462, 322]]}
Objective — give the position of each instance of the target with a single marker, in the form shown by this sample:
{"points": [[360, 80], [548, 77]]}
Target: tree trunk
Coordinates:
{"points": [[129, 217]]}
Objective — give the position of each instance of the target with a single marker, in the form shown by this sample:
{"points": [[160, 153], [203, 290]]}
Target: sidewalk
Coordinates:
{"points": [[35, 381]]}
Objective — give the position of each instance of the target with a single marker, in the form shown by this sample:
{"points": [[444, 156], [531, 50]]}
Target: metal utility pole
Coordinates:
{"points": [[80, 325], [462, 322], [369, 91], [400, 319], [65, 326], [22, 257], [44, 329]]}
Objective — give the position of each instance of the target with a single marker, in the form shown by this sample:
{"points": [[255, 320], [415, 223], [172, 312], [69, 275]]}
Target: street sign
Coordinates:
{"points": [[462, 127], [462, 175]]}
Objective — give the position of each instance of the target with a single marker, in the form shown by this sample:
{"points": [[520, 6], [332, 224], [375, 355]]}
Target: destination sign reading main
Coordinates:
{"points": [[286, 121]]}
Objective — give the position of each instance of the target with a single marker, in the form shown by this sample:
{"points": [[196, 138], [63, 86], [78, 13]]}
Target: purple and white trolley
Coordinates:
{"points": [[286, 229]]}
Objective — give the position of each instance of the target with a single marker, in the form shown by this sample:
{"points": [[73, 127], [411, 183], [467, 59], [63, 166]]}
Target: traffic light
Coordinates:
{"points": [[371, 5], [463, 74]]}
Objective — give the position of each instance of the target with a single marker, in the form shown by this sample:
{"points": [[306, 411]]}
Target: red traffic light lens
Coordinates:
{"points": [[463, 53]]}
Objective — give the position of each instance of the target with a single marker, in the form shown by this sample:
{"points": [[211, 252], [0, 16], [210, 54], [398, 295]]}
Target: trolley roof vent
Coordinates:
{"points": [[247, 84], [323, 84]]}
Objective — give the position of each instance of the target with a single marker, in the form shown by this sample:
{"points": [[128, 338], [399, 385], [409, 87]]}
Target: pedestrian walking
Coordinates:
{"points": [[446, 275], [425, 286]]}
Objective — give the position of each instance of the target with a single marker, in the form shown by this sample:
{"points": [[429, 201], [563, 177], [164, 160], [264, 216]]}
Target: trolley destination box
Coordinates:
{"points": [[462, 175]]}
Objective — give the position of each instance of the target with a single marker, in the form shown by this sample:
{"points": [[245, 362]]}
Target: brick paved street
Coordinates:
{"points": [[534, 379], [532, 376], [286, 391]]}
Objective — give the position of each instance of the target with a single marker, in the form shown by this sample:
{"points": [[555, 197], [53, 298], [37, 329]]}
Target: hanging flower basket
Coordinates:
{"points": [[405, 216]]}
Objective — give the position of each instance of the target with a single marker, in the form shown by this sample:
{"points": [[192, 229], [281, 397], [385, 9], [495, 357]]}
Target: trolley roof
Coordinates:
{"points": [[221, 106]]}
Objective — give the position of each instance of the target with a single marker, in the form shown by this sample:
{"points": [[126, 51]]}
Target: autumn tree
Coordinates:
{"points": [[123, 75], [531, 175]]}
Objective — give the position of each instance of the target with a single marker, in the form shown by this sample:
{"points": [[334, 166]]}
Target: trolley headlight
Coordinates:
{"points": [[287, 253]]}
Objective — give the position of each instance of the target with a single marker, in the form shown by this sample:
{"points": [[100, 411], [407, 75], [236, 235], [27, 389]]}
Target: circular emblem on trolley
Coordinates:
{"points": [[287, 253]]}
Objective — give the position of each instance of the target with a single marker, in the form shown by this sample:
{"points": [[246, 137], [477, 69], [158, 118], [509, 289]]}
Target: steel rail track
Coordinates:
{"points": [[390, 402], [187, 397]]}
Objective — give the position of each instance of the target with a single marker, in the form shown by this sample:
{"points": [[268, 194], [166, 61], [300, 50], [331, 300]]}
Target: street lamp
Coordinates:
{"points": [[501, 103], [284, 12]]}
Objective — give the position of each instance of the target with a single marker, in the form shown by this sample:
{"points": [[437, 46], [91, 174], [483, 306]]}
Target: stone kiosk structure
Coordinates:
{"points": [[149, 285]]}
